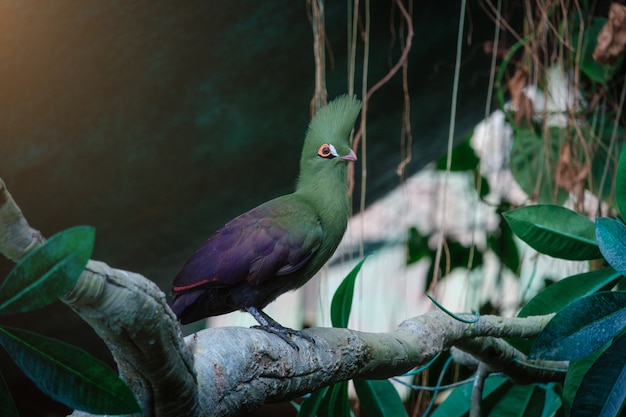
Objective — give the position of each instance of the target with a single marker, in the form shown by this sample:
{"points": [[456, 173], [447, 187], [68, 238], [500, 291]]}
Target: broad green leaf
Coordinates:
{"points": [[563, 292], [555, 231], [517, 400], [417, 246], [336, 402], [310, 406], [482, 185], [47, 273], [458, 403], [527, 401], [600, 73], [558, 295], [611, 235], [379, 398], [533, 161], [620, 183], [552, 402], [68, 374], [603, 388], [456, 255], [576, 371], [503, 245], [582, 327], [463, 157], [7, 406], [341, 304]]}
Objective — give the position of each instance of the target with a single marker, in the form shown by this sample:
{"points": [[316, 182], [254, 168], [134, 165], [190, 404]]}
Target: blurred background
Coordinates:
{"points": [[157, 121]]}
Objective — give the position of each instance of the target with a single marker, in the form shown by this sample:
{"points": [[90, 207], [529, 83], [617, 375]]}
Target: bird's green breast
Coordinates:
{"points": [[327, 193]]}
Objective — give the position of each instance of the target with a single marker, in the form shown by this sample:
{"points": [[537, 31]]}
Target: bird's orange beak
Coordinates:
{"points": [[349, 157]]}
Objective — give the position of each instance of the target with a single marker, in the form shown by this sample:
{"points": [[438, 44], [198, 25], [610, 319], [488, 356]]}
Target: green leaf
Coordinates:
{"points": [[553, 402], [68, 374], [6, 402], [582, 327], [620, 183], [558, 295], [600, 73], [576, 371], [555, 231], [501, 242], [342, 299], [458, 403], [456, 255], [464, 157], [533, 161], [603, 388], [482, 185], [417, 246], [379, 398], [336, 402], [517, 400], [310, 406], [527, 401], [47, 273], [611, 236]]}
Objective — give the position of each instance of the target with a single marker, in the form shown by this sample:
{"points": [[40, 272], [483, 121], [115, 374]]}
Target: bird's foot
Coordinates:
{"points": [[272, 326]]}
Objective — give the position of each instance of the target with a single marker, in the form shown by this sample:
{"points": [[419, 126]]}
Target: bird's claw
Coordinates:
{"points": [[272, 326], [286, 334]]}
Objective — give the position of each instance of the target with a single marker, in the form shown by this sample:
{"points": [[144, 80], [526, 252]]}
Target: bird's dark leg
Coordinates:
{"points": [[272, 326]]}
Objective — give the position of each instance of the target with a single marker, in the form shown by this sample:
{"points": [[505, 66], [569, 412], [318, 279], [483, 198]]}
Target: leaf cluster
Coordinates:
{"points": [[378, 397], [64, 372]]}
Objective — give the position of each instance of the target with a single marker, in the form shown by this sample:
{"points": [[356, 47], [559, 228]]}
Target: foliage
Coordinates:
{"points": [[500, 240], [64, 372], [555, 153], [379, 398], [590, 320], [555, 231]]}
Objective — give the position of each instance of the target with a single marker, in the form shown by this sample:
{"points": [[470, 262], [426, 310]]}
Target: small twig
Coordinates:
{"points": [[320, 96], [477, 390], [474, 318], [394, 70]]}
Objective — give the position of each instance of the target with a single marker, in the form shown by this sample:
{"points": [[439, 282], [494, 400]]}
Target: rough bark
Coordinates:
{"points": [[232, 371]]}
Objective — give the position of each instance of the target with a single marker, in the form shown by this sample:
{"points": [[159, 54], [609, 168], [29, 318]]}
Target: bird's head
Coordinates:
{"points": [[327, 146]]}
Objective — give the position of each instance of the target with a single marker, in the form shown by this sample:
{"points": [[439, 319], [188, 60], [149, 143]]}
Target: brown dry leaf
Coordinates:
{"points": [[612, 37], [571, 174], [520, 101]]}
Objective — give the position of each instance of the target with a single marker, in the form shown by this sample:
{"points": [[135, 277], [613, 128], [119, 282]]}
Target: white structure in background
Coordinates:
{"points": [[559, 99], [387, 291]]}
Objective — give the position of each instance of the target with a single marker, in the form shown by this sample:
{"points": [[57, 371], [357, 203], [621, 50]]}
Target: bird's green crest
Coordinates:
{"points": [[333, 124], [330, 126]]}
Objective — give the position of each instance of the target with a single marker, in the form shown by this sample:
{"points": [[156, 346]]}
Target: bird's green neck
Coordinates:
{"points": [[327, 191]]}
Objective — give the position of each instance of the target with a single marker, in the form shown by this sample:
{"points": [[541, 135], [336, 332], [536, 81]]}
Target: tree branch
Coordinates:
{"points": [[233, 371], [129, 313]]}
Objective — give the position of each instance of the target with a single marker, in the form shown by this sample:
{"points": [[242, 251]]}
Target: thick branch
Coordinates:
{"points": [[240, 369], [499, 356], [129, 313], [237, 369], [17, 238]]}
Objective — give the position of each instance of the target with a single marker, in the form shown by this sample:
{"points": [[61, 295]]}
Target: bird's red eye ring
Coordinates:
{"points": [[325, 151]]}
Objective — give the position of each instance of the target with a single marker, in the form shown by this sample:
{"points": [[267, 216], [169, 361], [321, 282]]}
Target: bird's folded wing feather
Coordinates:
{"points": [[276, 238]]}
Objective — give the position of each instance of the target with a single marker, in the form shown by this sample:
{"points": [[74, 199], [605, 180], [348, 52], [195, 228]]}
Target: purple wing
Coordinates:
{"points": [[276, 238]]}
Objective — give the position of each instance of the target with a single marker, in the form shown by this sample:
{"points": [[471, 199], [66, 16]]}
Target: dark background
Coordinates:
{"points": [[157, 121]]}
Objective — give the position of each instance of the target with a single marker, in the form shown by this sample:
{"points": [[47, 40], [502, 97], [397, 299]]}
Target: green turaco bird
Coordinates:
{"points": [[279, 245]]}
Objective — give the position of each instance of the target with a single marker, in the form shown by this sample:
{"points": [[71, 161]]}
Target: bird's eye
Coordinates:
{"points": [[327, 151]]}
